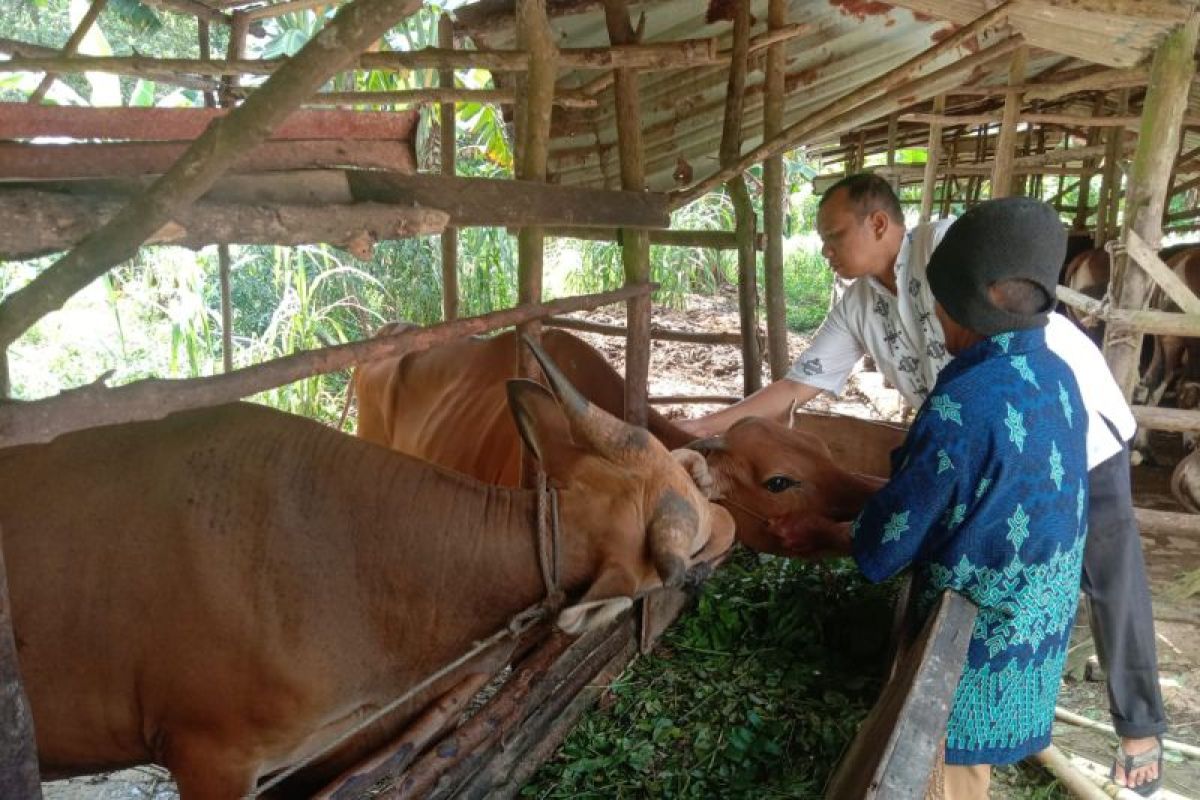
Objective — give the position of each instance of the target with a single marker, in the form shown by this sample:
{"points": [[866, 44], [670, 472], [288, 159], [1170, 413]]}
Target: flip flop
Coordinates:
{"points": [[1130, 763]]}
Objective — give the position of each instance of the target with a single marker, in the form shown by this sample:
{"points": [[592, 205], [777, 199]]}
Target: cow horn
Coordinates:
{"points": [[672, 528], [709, 444], [610, 436]]}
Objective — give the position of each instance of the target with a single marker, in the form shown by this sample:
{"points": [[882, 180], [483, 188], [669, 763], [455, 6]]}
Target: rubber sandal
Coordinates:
{"points": [[1130, 763]]}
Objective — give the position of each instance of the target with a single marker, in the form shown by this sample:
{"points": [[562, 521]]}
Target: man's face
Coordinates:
{"points": [[853, 246]]}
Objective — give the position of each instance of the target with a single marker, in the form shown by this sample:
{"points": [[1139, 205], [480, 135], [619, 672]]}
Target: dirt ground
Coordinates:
{"points": [[690, 369]]}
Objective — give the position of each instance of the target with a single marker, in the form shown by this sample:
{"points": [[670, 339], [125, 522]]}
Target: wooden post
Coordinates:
{"points": [[1085, 179], [892, 130], [1110, 179], [950, 182], [71, 47], [1162, 112], [449, 148], [933, 155], [239, 28], [205, 45], [534, 107], [773, 197], [18, 752], [1002, 169], [635, 244], [731, 145]]}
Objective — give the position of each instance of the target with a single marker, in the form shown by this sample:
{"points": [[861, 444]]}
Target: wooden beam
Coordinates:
{"points": [[660, 334], [778, 357], [18, 49], [436, 94], [356, 26], [635, 245], [95, 405], [1163, 323], [19, 121], [449, 155], [21, 161], [191, 8], [71, 47], [1002, 167], [38, 223], [933, 155], [1152, 522], [1174, 286], [1110, 177], [1175, 420], [1162, 112], [705, 240], [797, 132]]}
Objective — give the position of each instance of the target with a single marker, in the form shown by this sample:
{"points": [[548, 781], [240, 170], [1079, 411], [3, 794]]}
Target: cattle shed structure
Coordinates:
{"points": [[623, 111]]}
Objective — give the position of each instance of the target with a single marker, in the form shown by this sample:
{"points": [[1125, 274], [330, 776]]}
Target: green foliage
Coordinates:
{"points": [[808, 282], [754, 694]]}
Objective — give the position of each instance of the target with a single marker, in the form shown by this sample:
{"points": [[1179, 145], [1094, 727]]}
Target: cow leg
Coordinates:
{"points": [[207, 771], [396, 756]]}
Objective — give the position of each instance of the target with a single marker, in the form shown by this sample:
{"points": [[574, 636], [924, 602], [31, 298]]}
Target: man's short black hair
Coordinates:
{"points": [[868, 193]]}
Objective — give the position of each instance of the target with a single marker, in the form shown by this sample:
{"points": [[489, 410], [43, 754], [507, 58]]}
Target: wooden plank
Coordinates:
{"points": [[1178, 420], [933, 154], [24, 161], [18, 752], [1168, 323], [894, 752], [449, 153], [502, 203], [1152, 522], [1163, 275], [37, 223], [19, 121], [1006, 145]]}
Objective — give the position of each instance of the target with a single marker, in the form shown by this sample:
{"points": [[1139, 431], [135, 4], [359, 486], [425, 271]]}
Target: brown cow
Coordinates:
{"points": [[445, 405], [1087, 273], [227, 590]]}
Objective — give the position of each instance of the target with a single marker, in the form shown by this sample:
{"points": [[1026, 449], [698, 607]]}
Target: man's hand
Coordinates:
{"points": [[811, 536]]}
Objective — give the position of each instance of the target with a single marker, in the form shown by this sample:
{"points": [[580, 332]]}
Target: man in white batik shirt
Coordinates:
{"points": [[888, 312]]}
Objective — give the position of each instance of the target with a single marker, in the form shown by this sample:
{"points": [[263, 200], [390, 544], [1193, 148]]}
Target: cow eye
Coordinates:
{"points": [[778, 483]]}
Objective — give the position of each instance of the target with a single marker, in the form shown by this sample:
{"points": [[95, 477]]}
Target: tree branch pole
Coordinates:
{"points": [[797, 132], [535, 98], [933, 154], [70, 48], [95, 405], [731, 145], [19, 777], [1162, 112], [774, 197], [449, 151], [635, 244], [352, 31], [1006, 145]]}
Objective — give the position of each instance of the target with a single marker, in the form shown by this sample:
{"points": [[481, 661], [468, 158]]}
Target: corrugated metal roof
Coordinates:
{"points": [[847, 43]]}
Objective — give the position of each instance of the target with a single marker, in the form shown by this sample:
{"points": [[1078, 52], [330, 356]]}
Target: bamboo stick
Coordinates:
{"points": [[1002, 167], [933, 155], [635, 245], [72, 45], [1080, 785], [14, 48], [773, 198], [1162, 111], [1078, 720], [449, 153], [95, 405], [353, 30], [731, 143], [797, 132]]}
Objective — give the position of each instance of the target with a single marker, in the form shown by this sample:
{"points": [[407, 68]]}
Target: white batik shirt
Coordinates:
{"points": [[901, 331], [903, 335]]}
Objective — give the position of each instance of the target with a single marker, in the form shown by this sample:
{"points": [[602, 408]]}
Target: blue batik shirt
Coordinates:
{"points": [[989, 498]]}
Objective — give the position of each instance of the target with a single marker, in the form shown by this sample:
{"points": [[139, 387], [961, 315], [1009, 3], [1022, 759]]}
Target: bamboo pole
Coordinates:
{"points": [[933, 155], [1089, 164], [19, 778], [1080, 785], [893, 127], [1162, 111], [535, 94], [239, 29], [1110, 177], [449, 149], [797, 132], [95, 405], [72, 45], [635, 244], [731, 144], [1002, 167], [950, 181], [774, 197], [356, 26]]}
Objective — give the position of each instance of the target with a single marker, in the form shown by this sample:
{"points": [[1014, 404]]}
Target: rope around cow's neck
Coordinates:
{"points": [[548, 548]]}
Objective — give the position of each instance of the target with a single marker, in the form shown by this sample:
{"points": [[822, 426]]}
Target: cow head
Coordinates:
{"points": [[762, 469], [633, 508]]}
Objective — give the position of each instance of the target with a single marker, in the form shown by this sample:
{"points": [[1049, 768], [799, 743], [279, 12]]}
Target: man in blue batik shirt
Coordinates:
{"points": [[988, 495]]}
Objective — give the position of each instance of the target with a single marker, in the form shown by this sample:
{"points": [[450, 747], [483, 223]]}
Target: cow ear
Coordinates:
{"points": [[542, 424], [606, 599]]}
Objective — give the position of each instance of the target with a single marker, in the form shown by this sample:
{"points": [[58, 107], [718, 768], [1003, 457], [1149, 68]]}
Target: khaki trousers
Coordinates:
{"points": [[952, 782]]}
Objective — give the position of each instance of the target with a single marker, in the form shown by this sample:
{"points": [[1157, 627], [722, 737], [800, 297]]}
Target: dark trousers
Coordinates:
{"points": [[1114, 579]]}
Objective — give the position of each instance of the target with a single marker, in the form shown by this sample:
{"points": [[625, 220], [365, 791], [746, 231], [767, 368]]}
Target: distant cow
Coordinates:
{"points": [[446, 405], [226, 591]]}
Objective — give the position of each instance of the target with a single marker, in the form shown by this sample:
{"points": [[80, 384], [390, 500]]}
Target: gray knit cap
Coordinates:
{"points": [[1010, 238]]}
